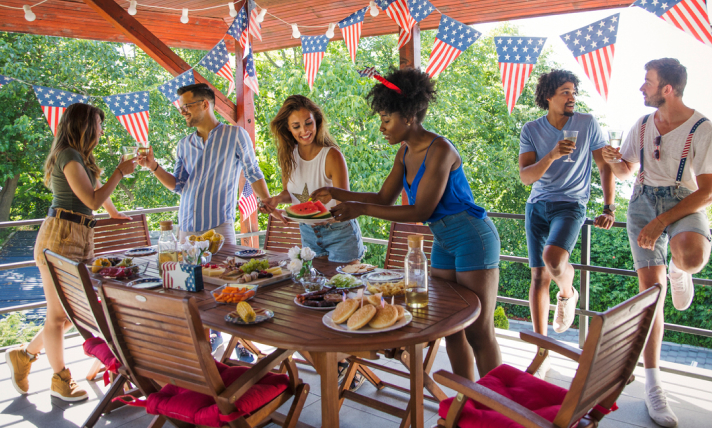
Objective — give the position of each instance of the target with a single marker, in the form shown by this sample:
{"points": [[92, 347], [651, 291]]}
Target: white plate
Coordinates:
{"points": [[326, 319], [316, 308], [384, 276], [250, 253], [262, 315], [145, 283], [307, 220], [140, 252], [340, 270]]}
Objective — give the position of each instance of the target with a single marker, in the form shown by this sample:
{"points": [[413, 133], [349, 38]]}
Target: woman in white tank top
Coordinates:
{"points": [[310, 159]]}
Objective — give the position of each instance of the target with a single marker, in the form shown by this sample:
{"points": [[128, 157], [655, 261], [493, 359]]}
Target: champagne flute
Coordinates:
{"points": [[615, 138], [143, 151], [128, 152], [570, 136]]}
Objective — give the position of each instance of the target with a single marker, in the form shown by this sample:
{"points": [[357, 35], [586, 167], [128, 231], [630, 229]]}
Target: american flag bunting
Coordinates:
{"points": [[132, 111], [351, 29], [54, 102], [249, 77], [239, 31], [689, 16], [516, 57], [247, 203], [420, 9], [4, 80], [313, 49], [254, 26], [218, 61], [452, 39], [594, 46], [398, 11], [170, 88]]}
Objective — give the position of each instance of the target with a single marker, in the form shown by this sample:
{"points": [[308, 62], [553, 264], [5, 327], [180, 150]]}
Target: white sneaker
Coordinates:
{"points": [[543, 369], [565, 312], [683, 291], [658, 408]]}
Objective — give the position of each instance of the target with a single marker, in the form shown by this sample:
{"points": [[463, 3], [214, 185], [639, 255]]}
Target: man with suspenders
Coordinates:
{"points": [[672, 149]]}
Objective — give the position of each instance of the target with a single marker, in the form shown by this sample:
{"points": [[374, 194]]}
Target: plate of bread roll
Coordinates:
{"points": [[367, 315]]}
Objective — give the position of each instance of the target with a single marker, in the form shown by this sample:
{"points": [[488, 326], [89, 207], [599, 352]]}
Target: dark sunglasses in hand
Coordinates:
{"points": [[656, 153]]}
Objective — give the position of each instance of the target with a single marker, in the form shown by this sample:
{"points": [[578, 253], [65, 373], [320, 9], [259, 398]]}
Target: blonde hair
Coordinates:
{"points": [[76, 130], [284, 140]]}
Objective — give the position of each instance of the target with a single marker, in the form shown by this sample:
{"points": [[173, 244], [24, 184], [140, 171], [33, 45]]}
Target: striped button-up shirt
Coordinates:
{"points": [[207, 176]]}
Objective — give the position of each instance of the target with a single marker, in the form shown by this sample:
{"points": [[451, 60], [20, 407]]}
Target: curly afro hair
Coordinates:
{"points": [[418, 91], [550, 82]]}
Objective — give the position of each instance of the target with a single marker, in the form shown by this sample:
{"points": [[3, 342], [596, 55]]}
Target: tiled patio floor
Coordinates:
{"points": [[691, 398]]}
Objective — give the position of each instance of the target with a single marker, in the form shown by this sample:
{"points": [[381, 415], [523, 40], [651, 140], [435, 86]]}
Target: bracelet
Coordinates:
{"points": [[120, 172], [154, 169]]}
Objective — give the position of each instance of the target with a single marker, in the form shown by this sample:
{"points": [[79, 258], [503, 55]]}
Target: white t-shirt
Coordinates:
{"points": [[663, 172], [309, 176]]}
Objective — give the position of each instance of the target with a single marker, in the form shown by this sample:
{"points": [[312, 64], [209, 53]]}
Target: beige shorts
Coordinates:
{"points": [[66, 238]]}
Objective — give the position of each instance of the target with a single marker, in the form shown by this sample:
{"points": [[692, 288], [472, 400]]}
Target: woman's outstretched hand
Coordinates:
{"points": [[127, 167], [323, 195], [346, 211]]}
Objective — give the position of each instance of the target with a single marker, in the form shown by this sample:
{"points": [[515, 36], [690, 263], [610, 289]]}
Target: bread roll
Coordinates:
{"points": [[401, 312], [374, 299], [344, 310], [385, 317], [361, 317]]}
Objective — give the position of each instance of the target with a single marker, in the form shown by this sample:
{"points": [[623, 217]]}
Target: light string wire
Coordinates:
{"points": [[19, 8]]}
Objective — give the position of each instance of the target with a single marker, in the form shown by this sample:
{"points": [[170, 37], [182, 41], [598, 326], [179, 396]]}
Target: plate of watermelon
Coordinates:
{"points": [[310, 212]]}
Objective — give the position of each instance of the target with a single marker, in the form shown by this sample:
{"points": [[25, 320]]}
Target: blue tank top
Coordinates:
{"points": [[457, 196]]}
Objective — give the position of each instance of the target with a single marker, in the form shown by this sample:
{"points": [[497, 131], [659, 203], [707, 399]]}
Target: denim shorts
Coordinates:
{"points": [[648, 202], [464, 243], [552, 223], [341, 241]]}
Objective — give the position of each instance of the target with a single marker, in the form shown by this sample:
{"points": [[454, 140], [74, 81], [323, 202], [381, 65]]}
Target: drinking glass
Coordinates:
{"points": [[128, 152], [143, 151], [570, 136], [615, 138]]}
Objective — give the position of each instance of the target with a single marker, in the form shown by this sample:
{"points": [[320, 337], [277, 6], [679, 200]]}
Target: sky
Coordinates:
{"points": [[642, 36]]}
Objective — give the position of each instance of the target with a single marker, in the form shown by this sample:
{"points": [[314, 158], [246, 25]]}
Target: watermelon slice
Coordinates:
{"points": [[326, 214], [322, 208], [304, 210]]}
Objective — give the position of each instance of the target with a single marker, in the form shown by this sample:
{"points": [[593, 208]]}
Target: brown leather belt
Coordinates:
{"points": [[74, 218]]}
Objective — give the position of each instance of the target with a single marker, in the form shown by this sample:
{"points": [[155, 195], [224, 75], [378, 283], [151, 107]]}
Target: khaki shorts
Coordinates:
{"points": [[65, 238]]}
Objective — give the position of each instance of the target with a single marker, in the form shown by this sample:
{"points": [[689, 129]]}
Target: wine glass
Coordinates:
{"points": [[615, 138], [143, 151], [128, 152], [570, 136]]}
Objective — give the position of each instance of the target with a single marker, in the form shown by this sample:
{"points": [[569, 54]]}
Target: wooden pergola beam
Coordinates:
{"points": [[159, 51]]}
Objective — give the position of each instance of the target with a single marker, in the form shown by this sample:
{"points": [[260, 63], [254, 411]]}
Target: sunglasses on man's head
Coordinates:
{"points": [[656, 153]]}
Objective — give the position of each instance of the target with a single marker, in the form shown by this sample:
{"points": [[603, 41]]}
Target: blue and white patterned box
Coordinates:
{"points": [[182, 276]]}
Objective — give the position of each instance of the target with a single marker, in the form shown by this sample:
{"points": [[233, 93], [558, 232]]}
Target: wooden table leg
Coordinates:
{"points": [[325, 364], [416, 386]]}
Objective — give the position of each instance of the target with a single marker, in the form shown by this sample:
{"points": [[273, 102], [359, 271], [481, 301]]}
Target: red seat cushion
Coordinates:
{"points": [[97, 348], [200, 409], [533, 393]]}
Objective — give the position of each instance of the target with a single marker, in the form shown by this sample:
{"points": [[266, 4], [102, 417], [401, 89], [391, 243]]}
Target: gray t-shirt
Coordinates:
{"points": [[63, 196]]}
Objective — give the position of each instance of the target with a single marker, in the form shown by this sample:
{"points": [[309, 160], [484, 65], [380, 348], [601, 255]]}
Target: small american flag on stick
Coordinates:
{"points": [[132, 111], [247, 204], [351, 29], [313, 50], [516, 56], [54, 102], [452, 39], [170, 88], [218, 61], [688, 15], [594, 46]]}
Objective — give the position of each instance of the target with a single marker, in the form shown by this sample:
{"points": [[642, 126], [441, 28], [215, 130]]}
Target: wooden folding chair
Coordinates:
{"points": [[80, 302], [280, 237], [111, 235], [611, 351], [162, 341], [398, 243]]}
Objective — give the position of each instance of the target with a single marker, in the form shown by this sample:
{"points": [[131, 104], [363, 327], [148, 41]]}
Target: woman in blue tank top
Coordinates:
{"points": [[429, 168]]}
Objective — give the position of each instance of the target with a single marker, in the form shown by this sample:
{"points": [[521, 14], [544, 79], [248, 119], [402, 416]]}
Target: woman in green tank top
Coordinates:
{"points": [[72, 174]]}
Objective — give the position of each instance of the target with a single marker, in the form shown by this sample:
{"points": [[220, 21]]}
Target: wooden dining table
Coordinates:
{"points": [[451, 308]]}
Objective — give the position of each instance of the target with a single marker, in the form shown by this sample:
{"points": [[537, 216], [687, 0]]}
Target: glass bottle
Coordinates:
{"points": [[416, 273], [167, 245]]}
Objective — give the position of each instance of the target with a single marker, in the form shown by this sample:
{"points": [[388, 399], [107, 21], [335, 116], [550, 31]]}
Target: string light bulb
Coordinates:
{"points": [[233, 12], [374, 8], [330, 31], [132, 8], [261, 16], [29, 15], [295, 31], [184, 17]]}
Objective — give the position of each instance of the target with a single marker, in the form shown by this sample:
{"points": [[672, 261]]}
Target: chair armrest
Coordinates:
{"points": [[493, 400], [253, 375], [551, 344]]}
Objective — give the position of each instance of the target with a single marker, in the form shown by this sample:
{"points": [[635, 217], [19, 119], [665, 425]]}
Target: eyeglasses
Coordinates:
{"points": [[656, 153], [184, 107]]}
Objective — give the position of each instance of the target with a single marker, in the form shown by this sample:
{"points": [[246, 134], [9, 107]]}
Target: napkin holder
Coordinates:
{"points": [[182, 276]]}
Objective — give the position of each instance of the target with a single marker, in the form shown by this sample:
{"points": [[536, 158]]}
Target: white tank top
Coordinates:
{"points": [[309, 176]]}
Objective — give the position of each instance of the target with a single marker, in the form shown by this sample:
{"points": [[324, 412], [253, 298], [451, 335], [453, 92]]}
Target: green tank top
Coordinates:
{"points": [[62, 195]]}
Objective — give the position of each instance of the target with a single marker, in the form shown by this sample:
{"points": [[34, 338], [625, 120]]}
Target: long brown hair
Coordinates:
{"points": [[76, 130], [284, 140]]}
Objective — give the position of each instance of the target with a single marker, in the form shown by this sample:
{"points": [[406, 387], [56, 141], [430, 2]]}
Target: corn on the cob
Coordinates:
{"points": [[245, 311]]}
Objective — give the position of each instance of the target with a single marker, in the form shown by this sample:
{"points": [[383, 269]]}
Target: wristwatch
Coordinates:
{"points": [[610, 207]]}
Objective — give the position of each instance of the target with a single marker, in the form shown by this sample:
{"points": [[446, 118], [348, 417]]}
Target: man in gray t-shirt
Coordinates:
{"points": [[556, 207]]}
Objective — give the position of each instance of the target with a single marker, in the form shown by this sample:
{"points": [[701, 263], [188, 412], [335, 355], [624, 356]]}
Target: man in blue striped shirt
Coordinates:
{"points": [[208, 167]]}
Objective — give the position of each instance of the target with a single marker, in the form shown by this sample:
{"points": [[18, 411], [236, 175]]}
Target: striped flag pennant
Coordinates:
{"points": [[170, 88], [313, 49], [54, 102], [218, 61], [351, 29], [247, 204], [250, 77], [516, 56], [132, 111], [420, 9], [368, 72], [689, 16], [239, 30], [398, 11], [594, 46], [4, 80], [254, 26], [452, 39]]}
